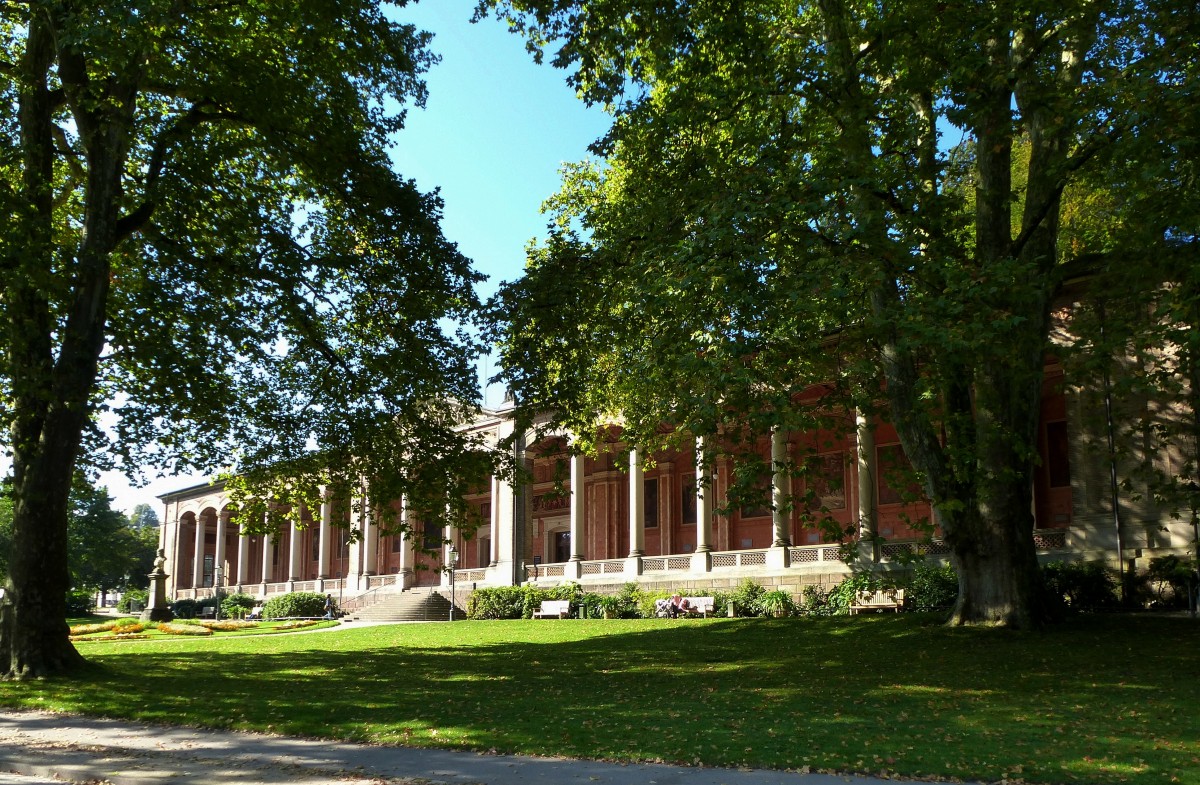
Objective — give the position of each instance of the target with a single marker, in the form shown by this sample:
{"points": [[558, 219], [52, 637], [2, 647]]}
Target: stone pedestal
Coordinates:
{"points": [[157, 608]]}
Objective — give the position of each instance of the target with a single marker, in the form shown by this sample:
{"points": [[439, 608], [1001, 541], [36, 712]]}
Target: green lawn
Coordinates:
{"points": [[1097, 700]]}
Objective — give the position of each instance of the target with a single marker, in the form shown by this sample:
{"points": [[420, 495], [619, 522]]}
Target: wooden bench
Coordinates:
{"points": [[208, 613], [700, 605], [553, 609], [878, 601]]}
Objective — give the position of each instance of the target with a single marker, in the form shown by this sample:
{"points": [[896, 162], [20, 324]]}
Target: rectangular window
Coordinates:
{"points": [[397, 541], [314, 537], [758, 505], [650, 502], [688, 498], [1058, 458], [432, 535], [207, 580], [896, 482], [485, 551], [829, 483]]}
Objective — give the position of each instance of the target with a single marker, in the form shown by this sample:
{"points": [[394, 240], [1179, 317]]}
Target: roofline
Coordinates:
{"points": [[211, 485]]}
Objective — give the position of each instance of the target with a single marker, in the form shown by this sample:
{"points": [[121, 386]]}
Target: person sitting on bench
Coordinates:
{"points": [[678, 606]]}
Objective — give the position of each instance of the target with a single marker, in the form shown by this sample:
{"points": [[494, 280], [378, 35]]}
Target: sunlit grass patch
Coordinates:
{"points": [[900, 696]]}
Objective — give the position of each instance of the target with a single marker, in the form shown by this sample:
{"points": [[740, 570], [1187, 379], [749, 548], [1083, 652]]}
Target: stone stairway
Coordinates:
{"points": [[411, 605]]}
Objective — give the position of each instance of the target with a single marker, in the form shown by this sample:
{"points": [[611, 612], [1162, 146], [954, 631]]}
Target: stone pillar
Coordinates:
{"points": [[198, 555], [574, 569], [637, 515], [219, 552], [406, 546], [637, 505], [324, 540], [370, 538], [702, 558], [448, 536], [266, 561], [243, 557], [868, 519], [294, 553], [781, 491], [494, 524]]}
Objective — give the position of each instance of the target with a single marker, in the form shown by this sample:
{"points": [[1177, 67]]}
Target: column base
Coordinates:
{"points": [[573, 570], [633, 565], [778, 557], [702, 561]]}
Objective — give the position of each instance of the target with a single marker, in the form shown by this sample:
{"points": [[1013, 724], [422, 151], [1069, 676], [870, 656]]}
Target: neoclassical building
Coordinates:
{"points": [[618, 517]]}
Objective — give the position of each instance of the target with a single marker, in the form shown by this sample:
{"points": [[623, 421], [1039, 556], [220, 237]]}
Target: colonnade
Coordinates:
{"points": [[501, 562]]}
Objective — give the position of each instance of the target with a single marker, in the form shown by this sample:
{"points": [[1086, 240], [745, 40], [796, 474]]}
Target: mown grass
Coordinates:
{"points": [[1097, 700]]}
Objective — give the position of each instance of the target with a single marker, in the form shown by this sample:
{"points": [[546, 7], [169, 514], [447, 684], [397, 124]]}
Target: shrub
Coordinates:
{"points": [[185, 608], [1169, 578], [236, 605], [130, 595], [518, 602], [297, 603], [1080, 586], [647, 600], [128, 629], [126, 622], [745, 598], [932, 588], [777, 603], [80, 603], [816, 602]]}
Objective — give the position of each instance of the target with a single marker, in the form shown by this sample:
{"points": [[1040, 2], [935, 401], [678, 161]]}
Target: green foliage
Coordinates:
{"points": [[204, 192], [817, 601], [788, 148], [140, 595], [105, 551], [80, 603], [185, 608], [776, 603], [128, 621], [297, 603], [931, 587], [517, 602], [1166, 582], [1081, 586], [233, 604], [745, 598]]}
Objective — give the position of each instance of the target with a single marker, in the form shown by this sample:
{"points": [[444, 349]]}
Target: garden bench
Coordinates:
{"points": [[700, 605], [553, 609], [208, 613], [878, 601]]}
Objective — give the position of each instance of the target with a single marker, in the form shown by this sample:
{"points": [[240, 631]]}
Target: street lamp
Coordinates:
{"points": [[453, 564]]}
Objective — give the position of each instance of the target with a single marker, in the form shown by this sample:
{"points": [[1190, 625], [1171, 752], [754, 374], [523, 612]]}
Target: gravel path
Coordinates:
{"points": [[38, 748]]}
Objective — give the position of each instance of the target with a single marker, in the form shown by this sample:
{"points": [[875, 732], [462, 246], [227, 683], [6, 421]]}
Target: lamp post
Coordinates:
{"points": [[453, 564]]}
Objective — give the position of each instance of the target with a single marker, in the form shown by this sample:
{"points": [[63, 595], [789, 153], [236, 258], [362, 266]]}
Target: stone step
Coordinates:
{"points": [[410, 605]]}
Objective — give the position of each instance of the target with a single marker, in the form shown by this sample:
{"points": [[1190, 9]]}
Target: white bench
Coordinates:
{"points": [[878, 601], [553, 609], [700, 605]]}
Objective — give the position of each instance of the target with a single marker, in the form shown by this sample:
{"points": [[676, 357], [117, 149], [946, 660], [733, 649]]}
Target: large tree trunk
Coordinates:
{"points": [[52, 391]]}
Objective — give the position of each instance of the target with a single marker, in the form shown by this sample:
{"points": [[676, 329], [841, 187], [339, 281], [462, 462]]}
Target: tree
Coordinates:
{"points": [[203, 243], [105, 551], [777, 208], [143, 517]]}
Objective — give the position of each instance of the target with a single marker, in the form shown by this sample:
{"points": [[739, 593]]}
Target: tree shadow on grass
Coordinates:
{"points": [[1101, 699]]}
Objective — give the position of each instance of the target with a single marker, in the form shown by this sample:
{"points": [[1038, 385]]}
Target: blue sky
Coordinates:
{"points": [[494, 133]]}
